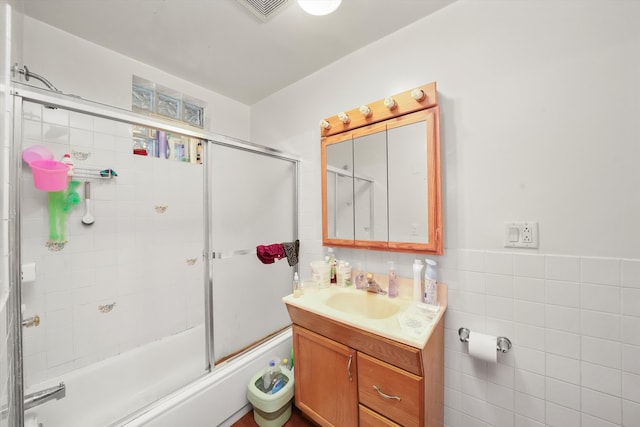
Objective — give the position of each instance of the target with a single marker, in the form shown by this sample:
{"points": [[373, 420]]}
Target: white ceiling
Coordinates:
{"points": [[220, 45]]}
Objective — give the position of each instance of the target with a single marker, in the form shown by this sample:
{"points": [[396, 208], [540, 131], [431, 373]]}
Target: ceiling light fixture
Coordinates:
{"points": [[319, 7]]}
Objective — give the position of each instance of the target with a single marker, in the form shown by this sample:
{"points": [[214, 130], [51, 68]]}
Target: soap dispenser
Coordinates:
{"points": [[393, 284]]}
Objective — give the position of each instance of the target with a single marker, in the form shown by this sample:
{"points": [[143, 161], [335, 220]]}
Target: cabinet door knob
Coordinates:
{"points": [[349, 367], [386, 396]]}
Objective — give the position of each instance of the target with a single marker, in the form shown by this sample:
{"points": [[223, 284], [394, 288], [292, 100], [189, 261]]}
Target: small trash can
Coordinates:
{"points": [[271, 409]]}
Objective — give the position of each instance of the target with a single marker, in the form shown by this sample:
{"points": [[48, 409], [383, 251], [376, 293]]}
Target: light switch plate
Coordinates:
{"points": [[521, 234]]}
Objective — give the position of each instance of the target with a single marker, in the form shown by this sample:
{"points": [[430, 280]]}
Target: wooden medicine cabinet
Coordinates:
{"points": [[381, 176]]}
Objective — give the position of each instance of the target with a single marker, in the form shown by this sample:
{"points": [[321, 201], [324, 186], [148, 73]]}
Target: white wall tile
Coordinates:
{"points": [[631, 302], [529, 265], [602, 405], [499, 263], [474, 386], [631, 387], [529, 360], [531, 313], [530, 383], [562, 268], [562, 293], [602, 378], [560, 416], [500, 308], [529, 336], [521, 421], [471, 281], [602, 352], [563, 393], [563, 318], [630, 413], [589, 421], [604, 271], [474, 408], [499, 285], [500, 396], [631, 358], [631, 273], [600, 298], [471, 260], [501, 374], [56, 116], [563, 368], [563, 343], [530, 407], [601, 325], [631, 330], [529, 289]]}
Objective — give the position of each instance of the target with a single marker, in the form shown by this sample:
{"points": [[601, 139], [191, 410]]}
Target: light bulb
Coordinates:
{"points": [[344, 118], [319, 7], [418, 94], [365, 110], [390, 103], [325, 124]]}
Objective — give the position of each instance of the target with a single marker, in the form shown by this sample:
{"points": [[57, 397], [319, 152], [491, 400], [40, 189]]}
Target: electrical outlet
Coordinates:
{"points": [[521, 234]]}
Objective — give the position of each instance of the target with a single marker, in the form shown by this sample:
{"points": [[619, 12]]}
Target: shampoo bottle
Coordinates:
{"points": [[431, 283], [418, 294], [393, 284]]}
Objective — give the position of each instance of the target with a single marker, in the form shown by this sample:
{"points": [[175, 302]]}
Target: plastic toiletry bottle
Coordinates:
{"points": [[393, 284], [430, 283], [359, 277], [297, 290], [332, 263], [418, 295], [269, 376], [347, 274]]}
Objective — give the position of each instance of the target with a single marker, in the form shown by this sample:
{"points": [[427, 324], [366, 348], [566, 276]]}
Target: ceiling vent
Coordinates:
{"points": [[264, 9]]}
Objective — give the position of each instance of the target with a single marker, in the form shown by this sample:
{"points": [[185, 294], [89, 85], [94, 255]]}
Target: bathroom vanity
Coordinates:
{"points": [[354, 366]]}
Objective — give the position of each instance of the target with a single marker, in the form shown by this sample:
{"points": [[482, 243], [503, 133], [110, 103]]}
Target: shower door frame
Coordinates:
{"points": [[21, 93]]}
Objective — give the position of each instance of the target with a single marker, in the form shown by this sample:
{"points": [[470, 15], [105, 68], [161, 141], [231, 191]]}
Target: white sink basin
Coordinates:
{"points": [[363, 304]]}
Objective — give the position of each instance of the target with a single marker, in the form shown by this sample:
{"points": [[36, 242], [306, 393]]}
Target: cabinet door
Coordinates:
{"points": [[326, 380]]}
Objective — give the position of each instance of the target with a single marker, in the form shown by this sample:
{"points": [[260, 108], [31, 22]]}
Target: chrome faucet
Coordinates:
{"points": [[372, 286]]}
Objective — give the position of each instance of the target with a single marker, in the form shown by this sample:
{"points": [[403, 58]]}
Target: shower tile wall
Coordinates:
{"points": [[575, 326], [132, 255]]}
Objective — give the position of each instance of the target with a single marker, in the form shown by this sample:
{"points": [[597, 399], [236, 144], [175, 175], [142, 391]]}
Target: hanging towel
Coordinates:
{"points": [[291, 250], [269, 253]]}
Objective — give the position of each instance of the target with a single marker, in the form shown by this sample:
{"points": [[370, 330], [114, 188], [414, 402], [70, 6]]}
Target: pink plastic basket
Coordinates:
{"points": [[36, 152], [49, 175]]}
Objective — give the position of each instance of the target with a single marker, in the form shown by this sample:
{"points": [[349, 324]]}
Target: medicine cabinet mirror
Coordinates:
{"points": [[381, 179]]}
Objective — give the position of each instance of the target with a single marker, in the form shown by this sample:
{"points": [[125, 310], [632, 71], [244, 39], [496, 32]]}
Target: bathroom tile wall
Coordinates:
{"points": [[145, 260], [575, 327]]}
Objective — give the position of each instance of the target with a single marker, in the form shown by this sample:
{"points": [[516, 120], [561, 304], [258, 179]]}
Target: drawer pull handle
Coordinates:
{"points": [[386, 396], [349, 367]]}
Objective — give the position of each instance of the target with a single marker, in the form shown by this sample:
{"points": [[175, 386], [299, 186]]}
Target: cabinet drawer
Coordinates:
{"points": [[390, 391], [368, 418]]}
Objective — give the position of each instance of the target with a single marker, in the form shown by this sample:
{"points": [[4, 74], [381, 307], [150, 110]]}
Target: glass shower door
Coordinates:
{"points": [[121, 300], [254, 202]]}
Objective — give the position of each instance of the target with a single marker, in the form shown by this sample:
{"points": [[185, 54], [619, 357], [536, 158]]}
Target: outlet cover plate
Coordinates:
{"points": [[521, 234]]}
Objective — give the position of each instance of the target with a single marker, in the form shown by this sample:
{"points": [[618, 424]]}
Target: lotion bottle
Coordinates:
{"points": [[418, 294], [431, 283], [393, 284]]}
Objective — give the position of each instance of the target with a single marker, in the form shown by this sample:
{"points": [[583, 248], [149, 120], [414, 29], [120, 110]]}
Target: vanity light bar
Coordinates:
{"points": [[416, 99]]}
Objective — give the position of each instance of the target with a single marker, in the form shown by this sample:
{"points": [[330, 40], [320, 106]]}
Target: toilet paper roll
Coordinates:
{"points": [[483, 347]]}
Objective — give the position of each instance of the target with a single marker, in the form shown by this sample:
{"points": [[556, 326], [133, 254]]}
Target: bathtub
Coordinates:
{"points": [[104, 393]]}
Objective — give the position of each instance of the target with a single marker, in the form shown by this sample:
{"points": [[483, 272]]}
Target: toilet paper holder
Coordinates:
{"points": [[503, 344]]}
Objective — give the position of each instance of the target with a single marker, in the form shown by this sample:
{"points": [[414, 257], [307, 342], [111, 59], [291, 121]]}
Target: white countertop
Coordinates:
{"points": [[421, 316]]}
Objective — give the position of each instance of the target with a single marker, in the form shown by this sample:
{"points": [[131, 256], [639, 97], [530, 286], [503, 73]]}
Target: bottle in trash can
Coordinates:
{"points": [[270, 375]]}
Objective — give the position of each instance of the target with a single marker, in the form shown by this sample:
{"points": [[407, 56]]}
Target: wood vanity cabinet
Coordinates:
{"points": [[346, 377]]}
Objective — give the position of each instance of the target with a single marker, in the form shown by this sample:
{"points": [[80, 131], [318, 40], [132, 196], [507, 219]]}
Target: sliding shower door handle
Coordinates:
{"points": [[349, 367], [31, 321]]}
